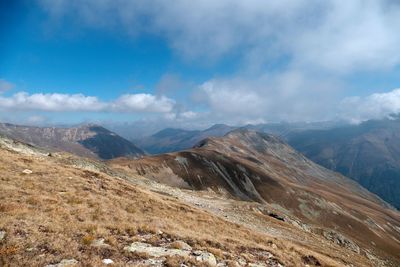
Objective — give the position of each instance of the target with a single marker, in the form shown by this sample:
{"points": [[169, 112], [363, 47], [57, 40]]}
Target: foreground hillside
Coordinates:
{"points": [[368, 153], [61, 209], [87, 140], [254, 167]]}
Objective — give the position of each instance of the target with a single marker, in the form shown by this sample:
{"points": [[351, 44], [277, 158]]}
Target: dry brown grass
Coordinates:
{"points": [[57, 212], [173, 261]]}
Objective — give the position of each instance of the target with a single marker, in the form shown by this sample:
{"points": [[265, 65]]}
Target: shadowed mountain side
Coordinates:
{"points": [[368, 153]]}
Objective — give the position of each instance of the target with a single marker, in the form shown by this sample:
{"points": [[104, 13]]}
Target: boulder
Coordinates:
{"points": [[2, 235], [99, 243], [27, 171], [205, 257], [107, 261], [156, 252], [64, 263]]}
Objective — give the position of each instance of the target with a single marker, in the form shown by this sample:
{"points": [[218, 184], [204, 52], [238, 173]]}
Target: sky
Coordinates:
{"points": [[195, 63]]}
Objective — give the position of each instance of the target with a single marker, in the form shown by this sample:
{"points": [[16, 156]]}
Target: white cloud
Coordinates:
{"points": [[51, 102], [228, 99], [5, 86], [316, 45], [289, 96], [143, 103], [335, 35], [374, 106], [55, 102]]}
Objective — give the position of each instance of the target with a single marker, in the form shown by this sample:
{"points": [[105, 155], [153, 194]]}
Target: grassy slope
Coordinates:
{"points": [[58, 210]]}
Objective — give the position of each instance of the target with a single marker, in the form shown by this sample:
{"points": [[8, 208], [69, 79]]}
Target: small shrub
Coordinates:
{"points": [[140, 255], [88, 239]]}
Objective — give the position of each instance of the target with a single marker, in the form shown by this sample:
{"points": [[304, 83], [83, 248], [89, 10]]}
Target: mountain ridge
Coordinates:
{"points": [[89, 140], [174, 139]]}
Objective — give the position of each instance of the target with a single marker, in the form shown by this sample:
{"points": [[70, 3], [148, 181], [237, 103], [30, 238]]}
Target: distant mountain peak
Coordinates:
{"points": [[218, 126], [252, 135], [90, 140]]}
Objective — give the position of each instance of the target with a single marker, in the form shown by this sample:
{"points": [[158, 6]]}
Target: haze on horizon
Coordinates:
{"points": [[193, 64]]}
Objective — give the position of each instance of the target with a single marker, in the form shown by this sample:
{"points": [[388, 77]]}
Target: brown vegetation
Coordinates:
{"points": [[59, 210]]}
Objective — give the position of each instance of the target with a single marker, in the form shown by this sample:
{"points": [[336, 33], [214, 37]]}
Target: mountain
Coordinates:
{"points": [[368, 153], [259, 168], [86, 140], [284, 129], [64, 210], [171, 139]]}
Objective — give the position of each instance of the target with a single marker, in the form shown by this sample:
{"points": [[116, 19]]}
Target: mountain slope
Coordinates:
{"points": [[368, 153], [87, 140], [66, 209], [170, 139], [251, 166]]}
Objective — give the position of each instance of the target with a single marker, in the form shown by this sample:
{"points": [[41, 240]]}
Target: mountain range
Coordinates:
{"points": [[244, 199], [86, 140], [368, 153]]}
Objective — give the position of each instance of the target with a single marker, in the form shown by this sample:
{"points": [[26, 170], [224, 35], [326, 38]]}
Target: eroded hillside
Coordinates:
{"points": [[259, 168]]}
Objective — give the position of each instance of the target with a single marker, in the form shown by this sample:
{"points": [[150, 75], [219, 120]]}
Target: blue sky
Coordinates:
{"points": [[192, 65]]}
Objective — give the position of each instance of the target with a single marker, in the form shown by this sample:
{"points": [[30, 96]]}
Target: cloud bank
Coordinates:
{"points": [[374, 106], [294, 57], [55, 102], [334, 35]]}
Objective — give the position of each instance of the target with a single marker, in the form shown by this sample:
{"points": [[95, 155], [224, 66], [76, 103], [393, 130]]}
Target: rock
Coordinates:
{"points": [[229, 263], [341, 240], [27, 171], [185, 251], [242, 262], [206, 257], [148, 262], [156, 251], [108, 261], [64, 263], [276, 216], [2, 235], [310, 260], [99, 243]]}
